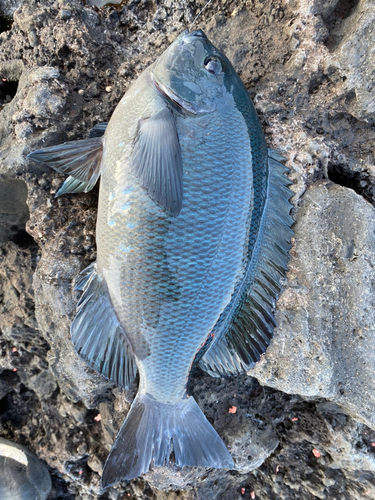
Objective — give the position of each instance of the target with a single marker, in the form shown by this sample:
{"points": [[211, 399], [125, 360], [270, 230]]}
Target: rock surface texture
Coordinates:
{"points": [[303, 424]]}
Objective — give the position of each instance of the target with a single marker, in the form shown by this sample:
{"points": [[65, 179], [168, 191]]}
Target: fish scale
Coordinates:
{"points": [[193, 234]]}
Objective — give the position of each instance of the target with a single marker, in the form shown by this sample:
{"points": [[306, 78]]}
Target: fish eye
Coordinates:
{"points": [[213, 65]]}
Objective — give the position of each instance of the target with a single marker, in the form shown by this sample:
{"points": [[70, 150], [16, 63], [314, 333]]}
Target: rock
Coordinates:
{"points": [[326, 313], [43, 384], [58, 60], [349, 441], [14, 212], [356, 60], [23, 475], [8, 7]]}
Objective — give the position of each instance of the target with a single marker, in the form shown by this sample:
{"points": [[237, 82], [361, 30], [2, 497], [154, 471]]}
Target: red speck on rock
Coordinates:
{"points": [[98, 417], [242, 491], [14, 349], [232, 409], [277, 468], [295, 419], [316, 453], [372, 444], [80, 472], [14, 369], [252, 494]]}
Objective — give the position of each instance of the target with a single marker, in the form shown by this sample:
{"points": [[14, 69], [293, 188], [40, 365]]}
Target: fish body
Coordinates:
{"points": [[193, 232], [177, 274]]}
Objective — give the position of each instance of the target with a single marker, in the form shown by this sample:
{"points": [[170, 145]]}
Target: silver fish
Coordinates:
{"points": [[193, 234]]}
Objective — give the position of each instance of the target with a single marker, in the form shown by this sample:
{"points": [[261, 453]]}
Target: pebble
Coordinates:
{"points": [[65, 13]]}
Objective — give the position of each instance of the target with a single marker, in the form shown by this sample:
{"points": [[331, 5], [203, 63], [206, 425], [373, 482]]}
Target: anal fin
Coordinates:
{"points": [[97, 335], [73, 186]]}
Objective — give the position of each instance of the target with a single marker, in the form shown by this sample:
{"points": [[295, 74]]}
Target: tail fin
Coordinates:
{"points": [[145, 439]]}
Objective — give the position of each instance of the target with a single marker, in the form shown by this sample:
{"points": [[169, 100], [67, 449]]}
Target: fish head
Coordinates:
{"points": [[192, 73]]}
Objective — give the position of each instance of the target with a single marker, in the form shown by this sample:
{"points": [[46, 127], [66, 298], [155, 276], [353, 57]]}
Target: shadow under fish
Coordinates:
{"points": [[193, 234]]}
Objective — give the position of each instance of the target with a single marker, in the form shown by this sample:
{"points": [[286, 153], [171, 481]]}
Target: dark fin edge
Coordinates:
{"points": [[156, 161], [251, 329], [98, 130], [80, 159], [97, 334], [145, 440]]}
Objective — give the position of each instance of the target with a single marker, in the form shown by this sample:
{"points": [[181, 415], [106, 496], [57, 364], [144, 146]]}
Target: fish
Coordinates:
{"points": [[193, 237]]}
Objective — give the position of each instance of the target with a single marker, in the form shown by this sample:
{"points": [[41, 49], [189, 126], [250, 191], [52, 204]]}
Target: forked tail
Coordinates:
{"points": [[145, 439]]}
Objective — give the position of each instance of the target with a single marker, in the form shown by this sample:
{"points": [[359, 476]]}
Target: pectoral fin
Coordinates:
{"points": [[157, 163], [80, 159]]}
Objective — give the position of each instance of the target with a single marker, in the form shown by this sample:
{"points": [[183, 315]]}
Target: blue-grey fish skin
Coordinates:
{"points": [[170, 278]]}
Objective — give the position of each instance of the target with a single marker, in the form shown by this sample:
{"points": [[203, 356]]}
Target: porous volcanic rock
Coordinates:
{"points": [[307, 431]]}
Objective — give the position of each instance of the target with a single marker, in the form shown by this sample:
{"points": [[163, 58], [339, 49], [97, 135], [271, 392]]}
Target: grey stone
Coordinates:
{"points": [[251, 441], [356, 59], [65, 13], [8, 7], [325, 7], [33, 38], [23, 475], [346, 445], [43, 383], [11, 69], [323, 343]]}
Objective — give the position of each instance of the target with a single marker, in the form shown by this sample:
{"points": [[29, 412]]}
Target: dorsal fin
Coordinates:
{"points": [[245, 329], [98, 130]]}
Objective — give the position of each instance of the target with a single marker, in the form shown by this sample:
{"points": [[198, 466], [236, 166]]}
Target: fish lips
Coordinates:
{"points": [[181, 104]]}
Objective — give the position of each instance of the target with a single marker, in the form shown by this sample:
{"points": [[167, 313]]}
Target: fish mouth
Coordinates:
{"points": [[178, 101]]}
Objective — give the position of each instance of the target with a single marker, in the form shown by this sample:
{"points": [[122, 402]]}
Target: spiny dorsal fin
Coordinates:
{"points": [[242, 337], [157, 163]]}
